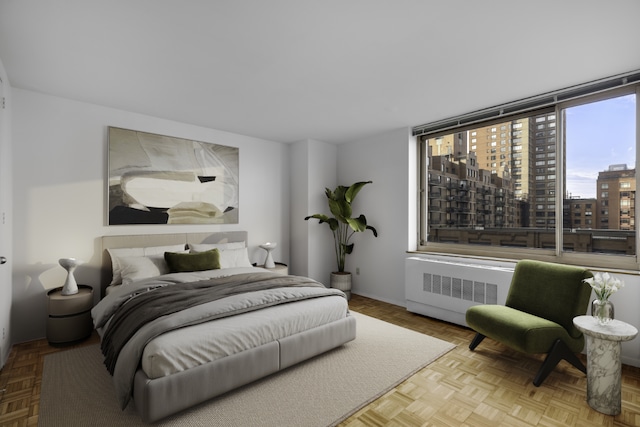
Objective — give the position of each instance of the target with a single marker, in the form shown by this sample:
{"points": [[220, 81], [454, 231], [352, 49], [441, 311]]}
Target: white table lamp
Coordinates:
{"points": [[268, 262], [70, 286]]}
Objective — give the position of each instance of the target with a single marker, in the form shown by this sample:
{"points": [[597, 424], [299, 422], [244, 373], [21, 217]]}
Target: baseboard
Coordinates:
{"points": [[4, 356], [631, 361], [378, 298]]}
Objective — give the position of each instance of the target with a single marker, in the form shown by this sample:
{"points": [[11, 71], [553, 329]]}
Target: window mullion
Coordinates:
{"points": [[561, 165], [635, 201]]}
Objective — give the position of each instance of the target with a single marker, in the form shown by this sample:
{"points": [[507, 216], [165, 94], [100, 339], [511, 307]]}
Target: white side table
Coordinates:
{"points": [[604, 369]]}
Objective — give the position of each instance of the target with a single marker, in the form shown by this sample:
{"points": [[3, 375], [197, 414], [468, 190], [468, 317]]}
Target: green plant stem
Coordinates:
{"points": [[341, 238]]}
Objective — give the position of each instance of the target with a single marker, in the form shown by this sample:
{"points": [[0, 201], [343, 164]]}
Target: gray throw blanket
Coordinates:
{"points": [[165, 300]]}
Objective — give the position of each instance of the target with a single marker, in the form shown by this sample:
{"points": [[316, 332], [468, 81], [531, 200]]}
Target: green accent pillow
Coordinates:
{"points": [[198, 261]]}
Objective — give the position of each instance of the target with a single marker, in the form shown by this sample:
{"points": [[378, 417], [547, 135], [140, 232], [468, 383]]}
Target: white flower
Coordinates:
{"points": [[604, 285]]}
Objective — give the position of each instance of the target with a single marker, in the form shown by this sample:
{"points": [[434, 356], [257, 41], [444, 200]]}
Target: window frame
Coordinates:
{"points": [[557, 254]]}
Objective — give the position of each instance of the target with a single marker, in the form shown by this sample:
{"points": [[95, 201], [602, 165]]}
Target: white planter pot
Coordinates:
{"points": [[342, 281]]}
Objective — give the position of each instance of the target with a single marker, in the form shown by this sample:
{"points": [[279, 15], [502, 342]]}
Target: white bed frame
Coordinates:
{"points": [[158, 398]]}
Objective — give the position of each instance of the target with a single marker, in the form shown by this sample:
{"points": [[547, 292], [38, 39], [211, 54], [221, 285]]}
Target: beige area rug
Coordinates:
{"points": [[77, 390]]}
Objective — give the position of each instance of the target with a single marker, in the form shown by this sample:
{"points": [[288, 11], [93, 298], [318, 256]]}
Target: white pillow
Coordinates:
{"points": [[203, 247], [129, 252], [141, 267], [234, 258]]}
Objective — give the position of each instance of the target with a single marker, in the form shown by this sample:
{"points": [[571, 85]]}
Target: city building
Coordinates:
{"points": [[580, 213], [616, 198]]}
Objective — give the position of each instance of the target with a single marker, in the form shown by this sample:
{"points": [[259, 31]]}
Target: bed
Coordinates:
{"points": [[248, 322]]}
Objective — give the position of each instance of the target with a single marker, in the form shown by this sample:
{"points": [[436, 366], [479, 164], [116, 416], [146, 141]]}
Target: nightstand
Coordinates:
{"points": [[69, 316], [280, 268]]}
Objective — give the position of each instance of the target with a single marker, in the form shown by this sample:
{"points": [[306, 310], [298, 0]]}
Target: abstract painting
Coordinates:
{"points": [[156, 179]]}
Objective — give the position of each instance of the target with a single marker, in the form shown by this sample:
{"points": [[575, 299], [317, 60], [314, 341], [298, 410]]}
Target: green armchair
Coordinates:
{"points": [[538, 314]]}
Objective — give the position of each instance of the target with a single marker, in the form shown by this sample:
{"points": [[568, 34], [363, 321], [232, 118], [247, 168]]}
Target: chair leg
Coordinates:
{"points": [[558, 352], [475, 341]]}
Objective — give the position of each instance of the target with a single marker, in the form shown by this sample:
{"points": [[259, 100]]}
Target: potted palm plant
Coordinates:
{"points": [[343, 226]]}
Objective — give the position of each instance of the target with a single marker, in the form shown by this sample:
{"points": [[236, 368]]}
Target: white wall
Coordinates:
{"points": [[385, 160], [299, 153], [5, 216], [322, 174], [60, 146], [313, 169]]}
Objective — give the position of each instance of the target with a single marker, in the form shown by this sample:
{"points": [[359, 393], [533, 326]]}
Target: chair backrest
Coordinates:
{"points": [[552, 291]]}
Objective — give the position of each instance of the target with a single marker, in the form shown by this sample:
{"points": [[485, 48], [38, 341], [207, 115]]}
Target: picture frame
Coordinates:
{"points": [[158, 179]]}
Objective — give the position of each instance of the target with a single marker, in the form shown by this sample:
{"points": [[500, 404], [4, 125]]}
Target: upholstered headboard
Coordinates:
{"points": [[146, 240]]}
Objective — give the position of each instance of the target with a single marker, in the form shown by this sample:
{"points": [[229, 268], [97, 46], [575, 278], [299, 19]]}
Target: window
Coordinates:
{"points": [[555, 150]]}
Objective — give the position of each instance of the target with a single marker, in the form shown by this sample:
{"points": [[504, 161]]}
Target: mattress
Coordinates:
{"points": [[196, 345]]}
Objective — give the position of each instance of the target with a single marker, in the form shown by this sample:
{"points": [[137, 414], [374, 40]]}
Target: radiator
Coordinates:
{"points": [[445, 288]]}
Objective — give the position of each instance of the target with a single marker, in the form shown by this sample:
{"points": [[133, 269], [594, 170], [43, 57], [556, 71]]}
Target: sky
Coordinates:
{"points": [[599, 134]]}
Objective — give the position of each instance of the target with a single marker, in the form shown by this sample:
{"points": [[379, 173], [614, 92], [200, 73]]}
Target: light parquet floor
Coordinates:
{"points": [[488, 387], [491, 386]]}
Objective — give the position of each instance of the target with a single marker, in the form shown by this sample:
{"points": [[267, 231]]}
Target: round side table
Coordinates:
{"points": [[279, 268], [69, 315], [604, 369]]}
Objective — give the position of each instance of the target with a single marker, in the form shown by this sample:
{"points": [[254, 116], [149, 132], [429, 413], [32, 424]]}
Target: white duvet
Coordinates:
{"points": [[195, 345]]}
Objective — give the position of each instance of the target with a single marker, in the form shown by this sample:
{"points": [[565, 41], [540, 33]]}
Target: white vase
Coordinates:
{"points": [[602, 310], [70, 286], [268, 261], [342, 281]]}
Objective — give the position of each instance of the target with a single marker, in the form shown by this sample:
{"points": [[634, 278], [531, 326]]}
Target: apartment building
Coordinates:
{"points": [[616, 198], [580, 213]]}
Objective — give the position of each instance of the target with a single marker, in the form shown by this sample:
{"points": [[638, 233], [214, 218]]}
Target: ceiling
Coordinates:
{"points": [[331, 70]]}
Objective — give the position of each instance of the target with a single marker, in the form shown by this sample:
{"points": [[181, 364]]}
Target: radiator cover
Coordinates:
{"points": [[444, 288]]}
